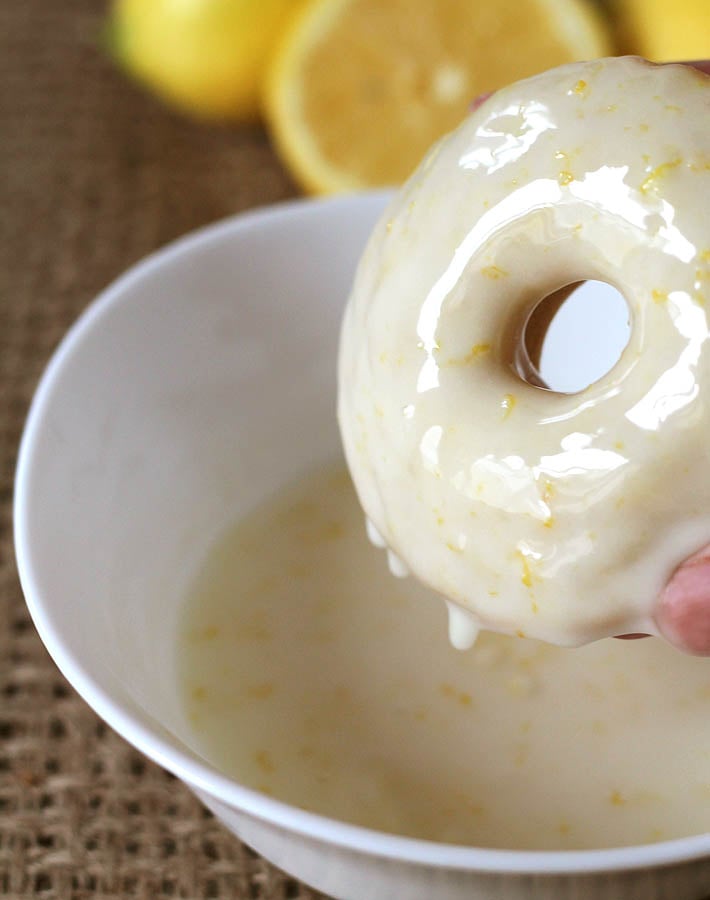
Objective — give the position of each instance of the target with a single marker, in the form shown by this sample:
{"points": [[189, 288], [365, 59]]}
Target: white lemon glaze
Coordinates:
{"points": [[559, 516]]}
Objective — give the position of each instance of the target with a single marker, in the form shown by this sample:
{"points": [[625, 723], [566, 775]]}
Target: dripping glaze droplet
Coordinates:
{"points": [[374, 535], [396, 566], [463, 627]]}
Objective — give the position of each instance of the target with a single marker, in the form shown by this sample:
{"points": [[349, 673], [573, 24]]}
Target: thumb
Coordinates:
{"points": [[683, 612]]}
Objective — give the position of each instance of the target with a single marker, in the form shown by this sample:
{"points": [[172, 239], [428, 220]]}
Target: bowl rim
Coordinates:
{"points": [[198, 774]]}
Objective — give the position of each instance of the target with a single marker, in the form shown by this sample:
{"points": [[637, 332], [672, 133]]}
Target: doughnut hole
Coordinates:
{"points": [[573, 337]]}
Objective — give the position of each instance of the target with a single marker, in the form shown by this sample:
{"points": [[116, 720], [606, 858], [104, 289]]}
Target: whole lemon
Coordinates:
{"points": [[203, 56], [358, 90], [667, 30]]}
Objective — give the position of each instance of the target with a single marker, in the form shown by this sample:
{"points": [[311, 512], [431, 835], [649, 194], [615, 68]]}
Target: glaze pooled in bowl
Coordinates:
{"points": [[310, 674]]}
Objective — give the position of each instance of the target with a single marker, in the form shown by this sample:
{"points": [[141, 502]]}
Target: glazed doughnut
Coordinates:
{"points": [[556, 516]]}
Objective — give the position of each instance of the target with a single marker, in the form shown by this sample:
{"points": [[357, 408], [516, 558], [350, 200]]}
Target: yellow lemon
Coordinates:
{"points": [[667, 30], [204, 56], [359, 89]]}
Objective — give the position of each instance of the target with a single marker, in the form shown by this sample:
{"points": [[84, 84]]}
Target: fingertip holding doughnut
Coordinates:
{"points": [[479, 101], [557, 515], [683, 614]]}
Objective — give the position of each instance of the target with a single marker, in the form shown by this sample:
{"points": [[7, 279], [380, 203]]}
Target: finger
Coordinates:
{"points": [[683, 614], [478, 101], [702, 65]]}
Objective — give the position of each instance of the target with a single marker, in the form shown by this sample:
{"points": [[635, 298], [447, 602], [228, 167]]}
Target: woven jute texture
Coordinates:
{"points": [[94, 175]]}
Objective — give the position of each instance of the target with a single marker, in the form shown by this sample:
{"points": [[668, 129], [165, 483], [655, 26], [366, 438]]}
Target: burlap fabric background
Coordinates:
{"points": [[94, 175]]}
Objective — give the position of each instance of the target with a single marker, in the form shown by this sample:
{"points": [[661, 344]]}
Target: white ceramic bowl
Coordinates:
{"points": [[191, 388]]}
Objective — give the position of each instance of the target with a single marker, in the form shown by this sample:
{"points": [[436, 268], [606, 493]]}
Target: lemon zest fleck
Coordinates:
{"points": [[494, 272], [508, 405], [476, 351], [656, 175], [264, 761]]}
